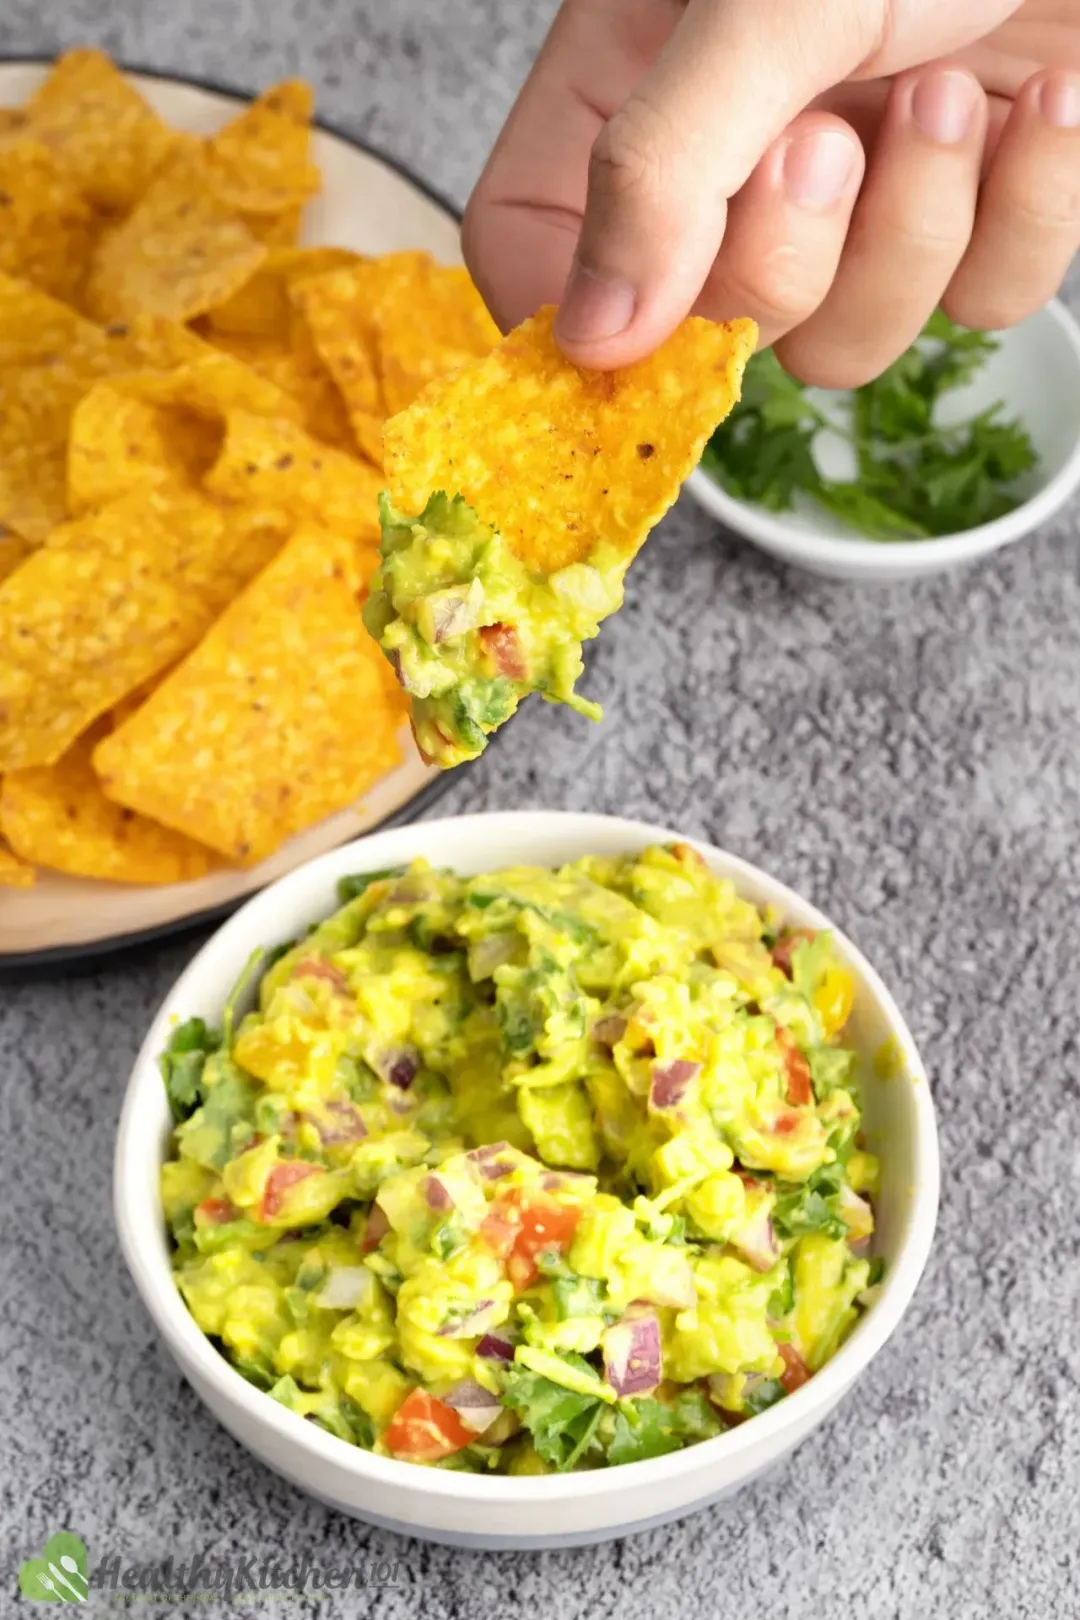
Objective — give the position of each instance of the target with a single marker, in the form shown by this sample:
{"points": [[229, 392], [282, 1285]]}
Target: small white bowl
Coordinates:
{"points": [[553, 1510], [1036, 373]]}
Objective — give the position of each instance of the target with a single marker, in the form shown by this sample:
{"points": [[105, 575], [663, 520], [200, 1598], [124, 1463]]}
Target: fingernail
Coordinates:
{"points": [[818, 168], [943, 105], [1059, 101], [594, 306]]}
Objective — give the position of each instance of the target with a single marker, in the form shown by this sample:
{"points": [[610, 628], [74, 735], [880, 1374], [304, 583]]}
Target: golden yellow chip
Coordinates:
{"points": [[121, 442], [276, 464], [13, 551], [106, 603], [273, 722], [99, 128], [13, 874], [256, 535], [180, 250], [276, 230], [562, 460], [259, 162], [49, 358], [341, 309], [293, 365], [198, 375], [12, 119], [262, 308], [47, 227], [429, 321], [57, 816]]}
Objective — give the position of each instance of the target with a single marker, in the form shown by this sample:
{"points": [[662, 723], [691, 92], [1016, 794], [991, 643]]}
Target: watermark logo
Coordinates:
{"points": [[60, 1574]]}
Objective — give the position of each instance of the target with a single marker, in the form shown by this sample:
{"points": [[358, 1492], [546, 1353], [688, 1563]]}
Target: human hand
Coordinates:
{"points": [[834, 170]]}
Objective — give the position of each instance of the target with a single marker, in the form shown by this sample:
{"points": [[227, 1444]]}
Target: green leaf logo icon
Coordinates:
{"points": [[60, 1574]]}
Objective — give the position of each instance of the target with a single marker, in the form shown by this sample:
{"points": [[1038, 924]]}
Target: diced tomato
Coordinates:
{"points": [[785, 1124], [499, 1229], [800, 1090], [501, 643], [784, 948], [424, 1429], [216, 1211], [316, 967], [523, 1225], [686, 855], [281, 1178], [796, 1372]]}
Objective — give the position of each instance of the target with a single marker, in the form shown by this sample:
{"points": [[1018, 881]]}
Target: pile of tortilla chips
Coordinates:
{"points": [[191, 412]]}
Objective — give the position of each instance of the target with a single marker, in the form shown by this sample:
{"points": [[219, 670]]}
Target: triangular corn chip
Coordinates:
{"points": [[521, 488]]}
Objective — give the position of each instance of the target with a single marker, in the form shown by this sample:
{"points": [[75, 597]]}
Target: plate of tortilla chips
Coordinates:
{"points": [[208, 307]]}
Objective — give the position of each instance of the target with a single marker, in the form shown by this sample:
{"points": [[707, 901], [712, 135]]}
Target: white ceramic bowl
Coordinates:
{"points": [[554, 1510], [1036, 372]]}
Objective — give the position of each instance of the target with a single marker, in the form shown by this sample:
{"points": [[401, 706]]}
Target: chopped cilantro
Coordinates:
{"points": [[917, 476]]}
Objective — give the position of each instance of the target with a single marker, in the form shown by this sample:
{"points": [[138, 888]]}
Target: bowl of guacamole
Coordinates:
{"points": [[523, 1177]]}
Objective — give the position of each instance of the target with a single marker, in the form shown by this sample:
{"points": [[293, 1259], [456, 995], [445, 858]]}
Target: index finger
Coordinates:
{"points": [[524, 217]]}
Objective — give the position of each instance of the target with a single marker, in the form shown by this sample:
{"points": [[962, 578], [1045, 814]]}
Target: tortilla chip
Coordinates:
{"points": [[49, 358], [262, 308], [277, 230], [99, 128], [13, 551], [180, 251], [256, 536], [13, 874], [562, 460], [293, 365], [276, 464], [47, 228], [340, 308], [120, 442], [106, 603], [57, 816], [279, 707], [430, 320], [259, 162], [198, 375]]}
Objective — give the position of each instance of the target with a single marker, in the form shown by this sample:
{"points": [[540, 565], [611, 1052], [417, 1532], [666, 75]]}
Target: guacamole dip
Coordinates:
{"points": [[470, 630], [532, 1171]]}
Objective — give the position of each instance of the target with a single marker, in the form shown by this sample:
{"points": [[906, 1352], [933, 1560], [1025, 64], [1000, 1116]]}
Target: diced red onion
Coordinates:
{"points": [[317, 967], [565, 1180], [346, 1125], [490, 952], [756, 1241], [454, 612], [670, 1080], [632, 1361], [344, 1288], [609, 1030], [399, 1066], [475, 1406], [490, 1162], [474, 1323], [377, 1227], [492, 1348], [437, 1194]]}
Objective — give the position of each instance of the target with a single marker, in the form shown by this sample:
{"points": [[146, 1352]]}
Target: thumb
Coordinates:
{"points": [[729, 79]]}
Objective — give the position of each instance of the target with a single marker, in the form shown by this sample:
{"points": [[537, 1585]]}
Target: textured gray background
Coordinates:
{"points": [[909, 757]]}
